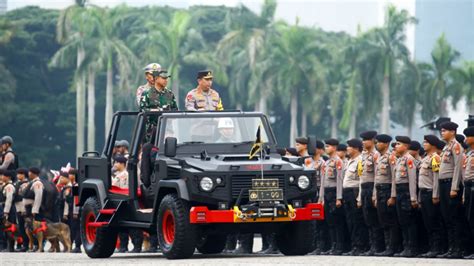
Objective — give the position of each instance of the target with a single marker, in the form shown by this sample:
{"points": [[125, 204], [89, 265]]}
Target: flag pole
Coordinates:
{"points": [[261, 160]]}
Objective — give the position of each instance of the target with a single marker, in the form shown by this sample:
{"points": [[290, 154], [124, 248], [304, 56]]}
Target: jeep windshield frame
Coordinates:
{"points": [[240, 145]]}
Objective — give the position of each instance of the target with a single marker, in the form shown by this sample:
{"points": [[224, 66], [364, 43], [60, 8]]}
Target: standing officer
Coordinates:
{"points": [[321, 242], [20, 187], [354, 217], [429, 196], [9, 158], [302, 146], [366, 198], [149, 69], [450, 189], [74, 223], [34, 194], [7, 207], [405, 182], [469, 185], [203, 97], [385, 195], [331, 196]]}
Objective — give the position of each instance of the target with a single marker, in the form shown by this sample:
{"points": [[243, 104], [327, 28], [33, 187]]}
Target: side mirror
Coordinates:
{"points": [[170, 146], [311, 146]]}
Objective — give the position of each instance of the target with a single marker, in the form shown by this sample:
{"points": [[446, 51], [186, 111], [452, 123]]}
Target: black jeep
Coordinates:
{"points": [[192, 181]]}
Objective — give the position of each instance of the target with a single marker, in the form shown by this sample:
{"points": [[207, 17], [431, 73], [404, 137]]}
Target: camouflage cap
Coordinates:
{"points": [[150, 68]]}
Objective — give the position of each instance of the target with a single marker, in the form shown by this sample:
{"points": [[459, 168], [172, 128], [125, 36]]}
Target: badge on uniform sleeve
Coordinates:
{"points": [[360, 168], [435, 163], [410, 164], [190, 97], [457, 148], [339, 165]]}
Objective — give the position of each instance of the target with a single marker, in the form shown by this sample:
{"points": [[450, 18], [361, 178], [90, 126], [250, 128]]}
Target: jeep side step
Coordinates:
{"points": [[107, 213]]}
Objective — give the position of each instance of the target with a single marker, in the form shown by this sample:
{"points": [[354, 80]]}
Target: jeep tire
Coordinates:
{"points": [[97, 242], [176, 235]]}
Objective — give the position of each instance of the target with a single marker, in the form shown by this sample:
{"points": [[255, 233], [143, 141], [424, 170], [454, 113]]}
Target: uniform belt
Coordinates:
{"points": [[382, 186], [446, 180], [330, 188], [469, 182], [403, 185], [367, 185], [426, 190]]}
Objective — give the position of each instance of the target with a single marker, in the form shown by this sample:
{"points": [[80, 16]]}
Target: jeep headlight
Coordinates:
{"points": [[303, 182], [206, 184]]}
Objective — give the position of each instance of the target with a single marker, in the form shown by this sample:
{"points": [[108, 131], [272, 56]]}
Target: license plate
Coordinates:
{"points": [[265, 195]]}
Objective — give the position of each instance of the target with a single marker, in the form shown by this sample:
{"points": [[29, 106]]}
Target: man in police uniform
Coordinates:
{"points": [[34, 194], [149, 69], [7, 207], [405, 182], [385, 195], [331, 196], [354, 217], [9, 159], [450, 189], [204, 98], [20, 186], [469, 185], [429, 196], [366, 198]]}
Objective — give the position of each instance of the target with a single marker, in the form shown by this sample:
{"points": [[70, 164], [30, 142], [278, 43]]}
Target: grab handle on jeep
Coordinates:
{"points": [[91, 152]]}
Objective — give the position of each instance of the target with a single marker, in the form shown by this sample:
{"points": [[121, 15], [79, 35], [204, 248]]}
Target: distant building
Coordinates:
{"points": [[3, 7], [455, 18]]}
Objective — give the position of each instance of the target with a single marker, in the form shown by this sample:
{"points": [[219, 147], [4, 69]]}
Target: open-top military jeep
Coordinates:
{"points": [[201, 185]]}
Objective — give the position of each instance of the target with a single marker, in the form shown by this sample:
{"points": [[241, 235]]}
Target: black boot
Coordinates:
{"points": [[406, 253], [445, 255], [389, 252]]}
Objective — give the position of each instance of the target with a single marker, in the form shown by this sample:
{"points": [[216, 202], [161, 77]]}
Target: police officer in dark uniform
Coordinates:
{"points": [[20, 186], [450, 189], [469, 186], [354, 217], [407, 203], [7, 206], [74, 221], [367, 194]]}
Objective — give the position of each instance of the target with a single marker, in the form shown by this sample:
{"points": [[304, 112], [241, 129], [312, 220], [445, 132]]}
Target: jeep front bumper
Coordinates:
{"points": [[202, 215]]}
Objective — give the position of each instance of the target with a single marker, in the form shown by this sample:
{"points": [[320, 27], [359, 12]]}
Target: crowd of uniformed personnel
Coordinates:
{"points": [[381, 196]]}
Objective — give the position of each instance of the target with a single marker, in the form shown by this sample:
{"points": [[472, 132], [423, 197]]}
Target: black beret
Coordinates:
{"points": [[422, 151], [120, 159], [22, 171], [332, 142], [460, 138], [73, 171], [355, 143], [35, 170], [440, 145], [319, 144], [384, 138], [341, 147], [204, 74], [432, 140], [301, 140], [9, 173], [292, 151], [403, 139], [368, 135], [469, 132], [449, 126], [414, 145]]}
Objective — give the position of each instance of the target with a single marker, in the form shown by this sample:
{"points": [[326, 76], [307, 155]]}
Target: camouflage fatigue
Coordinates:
{"points": [[197, 100], [140, 92], [155, 99]]}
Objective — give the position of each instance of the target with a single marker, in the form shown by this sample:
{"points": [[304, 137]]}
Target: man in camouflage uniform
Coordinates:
{"points": [[157, 98], [450, 189], [149, 78], [203, 97], [469, 185]]}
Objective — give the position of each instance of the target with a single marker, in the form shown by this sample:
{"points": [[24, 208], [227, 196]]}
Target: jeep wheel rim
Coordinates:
{"points": [[168, 227], [90, 230]]}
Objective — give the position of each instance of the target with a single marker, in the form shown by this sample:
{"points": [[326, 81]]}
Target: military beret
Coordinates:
{"points": [[449, 126], [301, 140], [469, 132], [319, 144], [432, 139], [34, 170], [355, 143], [292, 151], [460, 138], [403, 139], [206, 74], [150, 68], [73, 171], [341, 147], [120, 159], [368, 135], [64, 174], [22, 171], [414, 145], [440, 145], [9, 173], [332, 142], [384, 138]]}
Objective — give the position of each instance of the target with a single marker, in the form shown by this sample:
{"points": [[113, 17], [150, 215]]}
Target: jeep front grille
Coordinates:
{"points": [[240, 182]]}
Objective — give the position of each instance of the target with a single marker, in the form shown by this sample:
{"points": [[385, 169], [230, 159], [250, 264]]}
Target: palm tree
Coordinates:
{"points": [[463, 79], [390, 40]]}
